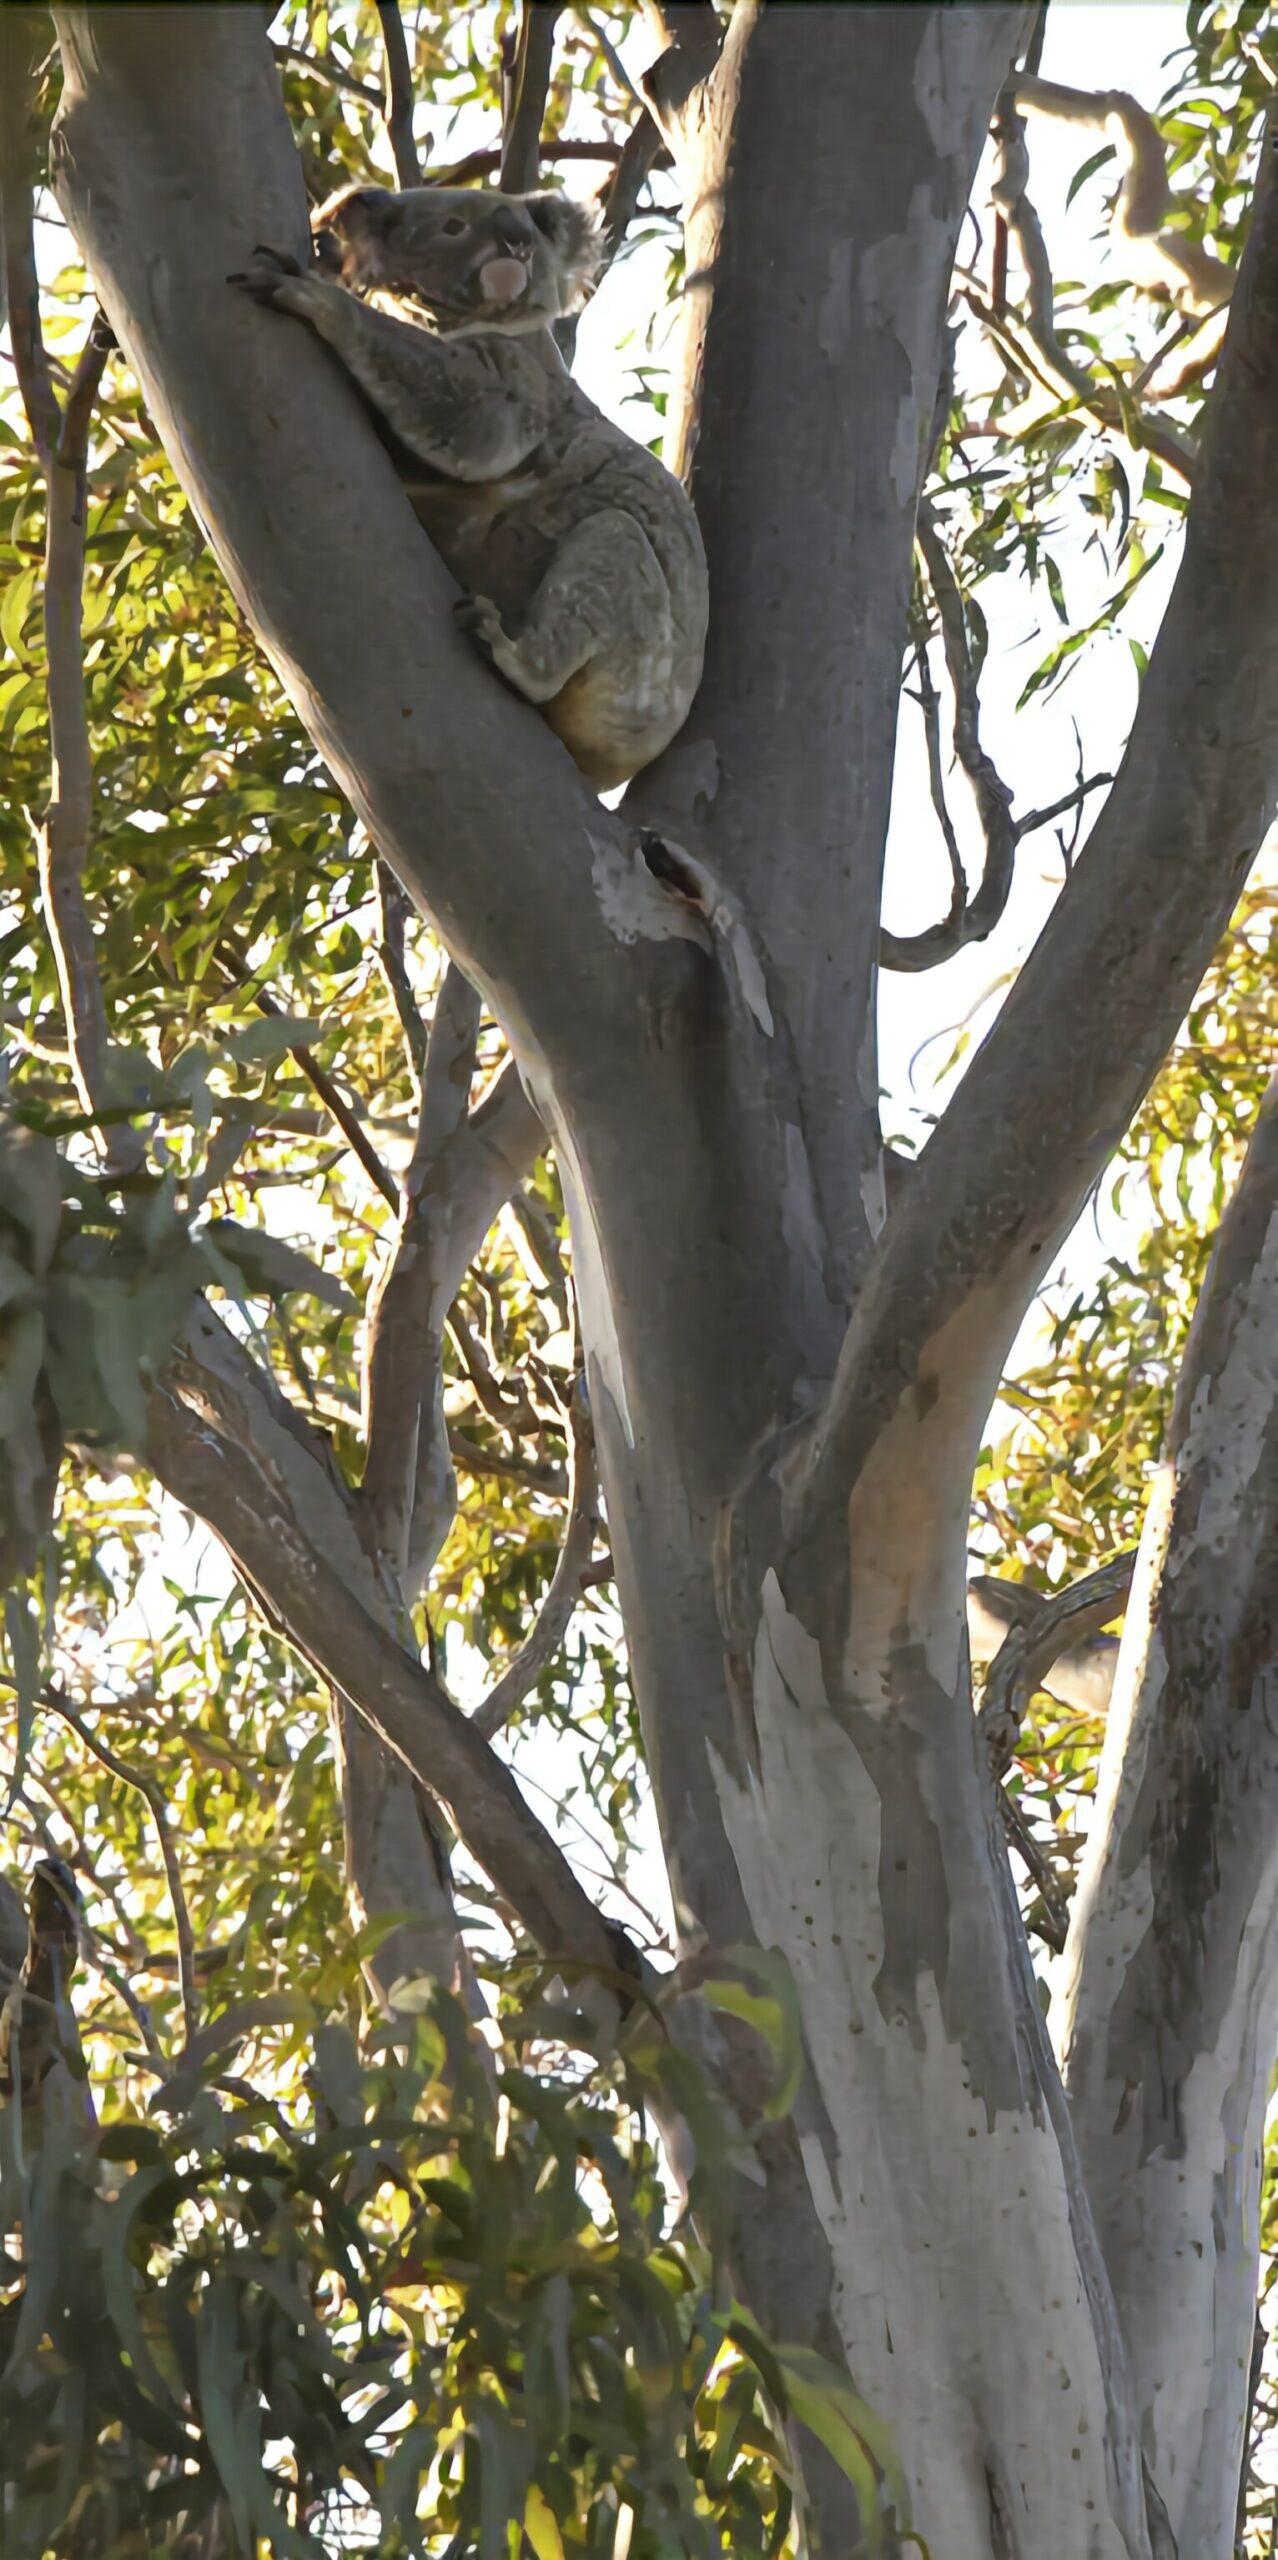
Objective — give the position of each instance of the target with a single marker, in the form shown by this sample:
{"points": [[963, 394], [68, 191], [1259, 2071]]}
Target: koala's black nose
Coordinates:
{"points": [[514, 232]]}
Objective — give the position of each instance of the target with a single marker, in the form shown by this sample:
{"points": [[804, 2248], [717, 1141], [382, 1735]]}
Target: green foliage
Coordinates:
{"points": [[1023, 468], [387, 2302]]}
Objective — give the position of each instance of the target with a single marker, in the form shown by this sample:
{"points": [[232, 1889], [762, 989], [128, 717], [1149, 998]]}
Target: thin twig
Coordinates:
{"points": [[128, 1997], [320, 1082], [1052, 361], [1054, 1926], [324, 66], [539, 1246], [516, 1413], [930, 705], [521, 138], [640, 153], [1035, 818], [392, 916], [333, 1101], [61, 444], [62, 837], [408, 1491], [608, 50], [485, 164], [398, 107], [969, 919], [147, 1788], [494, 1462], [450, 1068], [22, 285], [556, 1612]]}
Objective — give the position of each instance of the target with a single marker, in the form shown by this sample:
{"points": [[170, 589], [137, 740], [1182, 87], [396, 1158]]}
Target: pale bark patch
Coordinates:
{"points": [[888, 276], [1108, 1934], [957, 2293], [907, 1537]]}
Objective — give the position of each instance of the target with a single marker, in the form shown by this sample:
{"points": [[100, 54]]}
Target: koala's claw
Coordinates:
{"points": [[478, 615], [270, 267]]}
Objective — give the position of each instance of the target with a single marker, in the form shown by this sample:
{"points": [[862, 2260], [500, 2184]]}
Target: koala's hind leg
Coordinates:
{"points": [[603, 595]]}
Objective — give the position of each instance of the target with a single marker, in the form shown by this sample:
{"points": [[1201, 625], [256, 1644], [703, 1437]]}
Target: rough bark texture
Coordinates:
{"points": [[787, 1392], [1169, 2005]]}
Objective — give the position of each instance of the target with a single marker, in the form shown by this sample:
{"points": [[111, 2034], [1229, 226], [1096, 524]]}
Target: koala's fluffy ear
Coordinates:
{"points": [[573, 232], [371, 204]]}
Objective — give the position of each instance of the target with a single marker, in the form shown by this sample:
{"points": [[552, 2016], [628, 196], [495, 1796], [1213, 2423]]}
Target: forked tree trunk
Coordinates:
{"points": [[788, 1393]]}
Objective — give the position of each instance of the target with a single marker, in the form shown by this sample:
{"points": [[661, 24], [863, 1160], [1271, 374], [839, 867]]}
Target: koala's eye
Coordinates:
{"points": [[453, 226]]}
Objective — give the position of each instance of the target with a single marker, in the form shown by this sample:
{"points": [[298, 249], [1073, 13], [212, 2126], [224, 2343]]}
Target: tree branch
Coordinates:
{"points": [[1058, 1625], [969, 920], [556, 1613], [1054, 363], [521, 141], [1099, 1000], [640, 153], [61, 444], [1053, 1928], [1150, 253], [392, 915], [398, 102], [607, 48], [495, 1462], [321, 1082], [407, 1490], [692, 37], [325, 66], [1168, 2008], [146, 1787], [485, 164], [1069, 801], [22, 287], [450, 1068], [1080, 1675], [208, 1449]]}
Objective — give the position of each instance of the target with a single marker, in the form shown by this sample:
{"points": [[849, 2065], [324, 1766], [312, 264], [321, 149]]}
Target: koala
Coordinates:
{"points": [[580, 555]]}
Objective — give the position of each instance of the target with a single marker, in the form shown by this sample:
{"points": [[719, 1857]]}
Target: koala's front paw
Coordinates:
{"points": [[271, 269], [479, 616]]}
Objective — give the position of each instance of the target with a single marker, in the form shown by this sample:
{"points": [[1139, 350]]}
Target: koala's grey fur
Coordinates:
{"points": [[579, 553]]}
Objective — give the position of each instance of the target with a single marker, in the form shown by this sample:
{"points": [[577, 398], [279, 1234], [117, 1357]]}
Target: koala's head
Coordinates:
{"points": [[471, 258]]}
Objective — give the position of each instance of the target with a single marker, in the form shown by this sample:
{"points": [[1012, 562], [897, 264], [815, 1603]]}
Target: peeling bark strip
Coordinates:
{"points": [[1169, 2008]]}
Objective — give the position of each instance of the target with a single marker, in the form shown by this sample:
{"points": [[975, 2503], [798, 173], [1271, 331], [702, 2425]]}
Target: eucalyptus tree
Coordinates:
{"points": [[1018, 2251]]}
